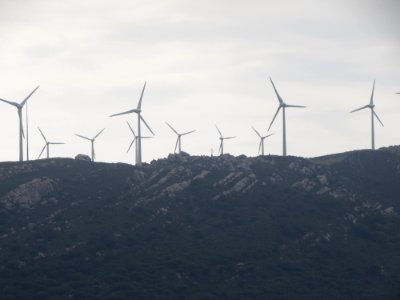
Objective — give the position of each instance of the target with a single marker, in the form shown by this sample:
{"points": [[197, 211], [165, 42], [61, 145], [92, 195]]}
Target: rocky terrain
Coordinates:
{"points": [[202, 228]]}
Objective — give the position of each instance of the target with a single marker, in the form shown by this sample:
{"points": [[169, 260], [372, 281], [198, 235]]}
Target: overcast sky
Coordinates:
{"points": [[205, 62]]}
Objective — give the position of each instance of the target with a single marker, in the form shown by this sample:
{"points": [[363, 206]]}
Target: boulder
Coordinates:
{"points": [[83, 157]]}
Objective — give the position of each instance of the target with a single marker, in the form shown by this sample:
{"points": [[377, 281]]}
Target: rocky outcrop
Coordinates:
{"points": [[30, 193]]}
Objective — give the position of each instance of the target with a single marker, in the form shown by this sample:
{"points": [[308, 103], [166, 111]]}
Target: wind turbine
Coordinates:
{"points": [[262, 138], [371, 105], [222, 138], [178, 140], [140, 119], [91, 141], [19, 107], [47, 145], [135, 137], [282, 105]]}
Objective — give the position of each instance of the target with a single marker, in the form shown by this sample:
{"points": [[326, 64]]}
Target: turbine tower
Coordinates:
{"points": [[222, 138], [91, 141], [47, 145], [178, 140], [262, 138], [371, 105], [282, 105], [135, 137], [19, 107], [140, 119]]}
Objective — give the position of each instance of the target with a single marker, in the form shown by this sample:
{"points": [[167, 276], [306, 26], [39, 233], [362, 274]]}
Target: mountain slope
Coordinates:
{"points": [[202, 228]]}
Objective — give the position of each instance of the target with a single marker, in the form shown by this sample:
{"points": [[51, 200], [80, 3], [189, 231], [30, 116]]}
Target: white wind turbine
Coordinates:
{"points": [[47, 145], [178, 140], [91, 141], [135, 137], [140, 119], [20, 106], [282, 105], [222, 138], [262, 138], [371, 106]]}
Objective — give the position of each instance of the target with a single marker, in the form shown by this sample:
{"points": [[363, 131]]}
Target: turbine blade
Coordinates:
{"points": [[176, 144], [219, 131], [259, 148], [256, 131], [139, 107], [10, 102], [98, 134], [220, 146], [171, 128], [269, 135], [129, 148], [276, 92], [297, 106], [146, 137], [22, 131], [189, 132], [84, 137], [125, 112], [229, 137], [41, 152], [42, 135], [26, 99], [366, 106], [373, 111], [371, 101], [147, 125], [131, 129], [55, 143], [273, 119]]}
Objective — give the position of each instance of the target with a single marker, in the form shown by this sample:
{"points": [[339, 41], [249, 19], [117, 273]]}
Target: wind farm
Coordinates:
{"points": [[213, 150], [137, 138]]}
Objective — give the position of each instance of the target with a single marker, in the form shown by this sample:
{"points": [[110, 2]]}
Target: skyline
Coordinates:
{"points": [[205, 64]]}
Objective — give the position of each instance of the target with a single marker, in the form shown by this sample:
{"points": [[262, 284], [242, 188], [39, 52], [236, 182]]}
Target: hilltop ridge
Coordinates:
{"points": [[198, 227]]}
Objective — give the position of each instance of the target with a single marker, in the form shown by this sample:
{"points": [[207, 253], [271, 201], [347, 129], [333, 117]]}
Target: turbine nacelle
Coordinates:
{"points": [[22, 103]]}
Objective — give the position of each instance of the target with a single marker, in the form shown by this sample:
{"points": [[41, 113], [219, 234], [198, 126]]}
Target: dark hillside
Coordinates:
{"points": [[202, 228]]}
